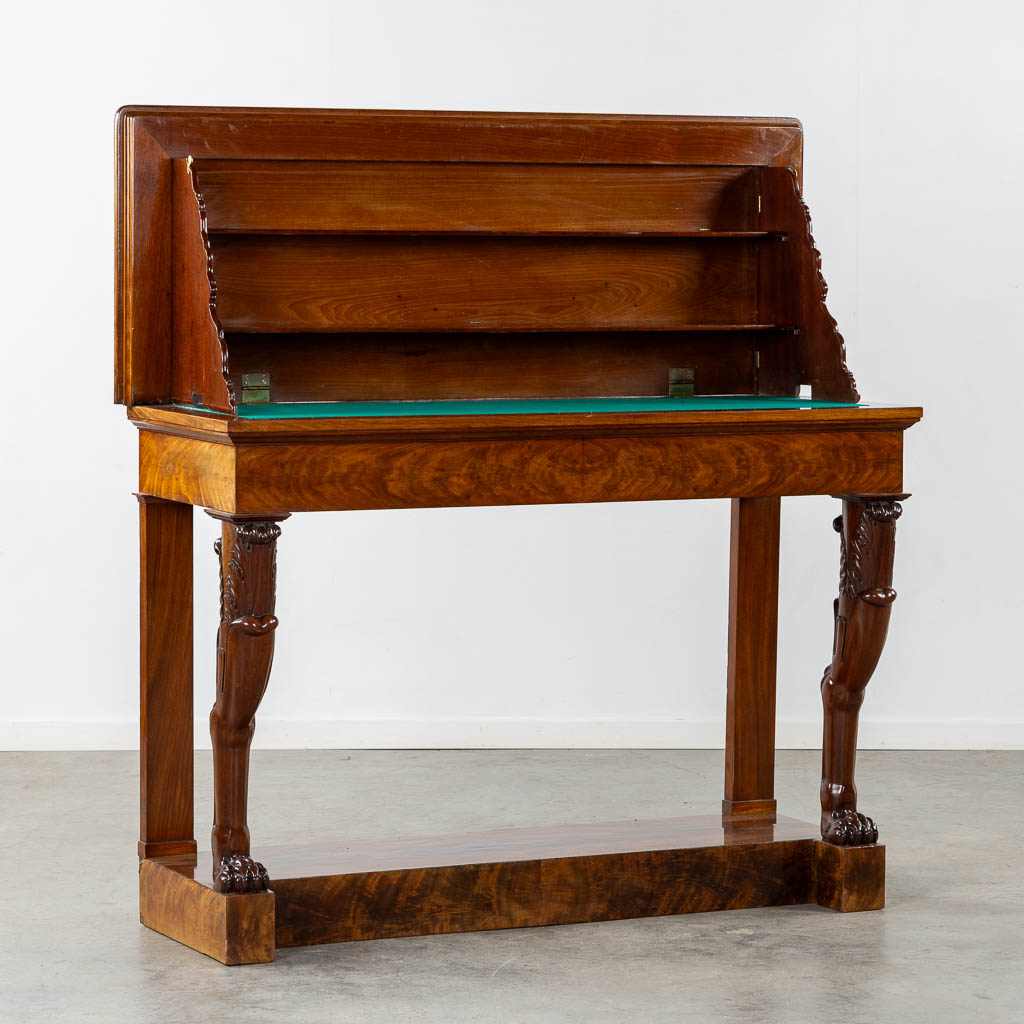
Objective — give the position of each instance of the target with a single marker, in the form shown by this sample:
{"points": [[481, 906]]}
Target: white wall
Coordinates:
{"points": [[601, 625]]}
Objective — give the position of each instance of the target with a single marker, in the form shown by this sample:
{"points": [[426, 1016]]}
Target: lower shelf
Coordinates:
{"points": [[510, 878]]}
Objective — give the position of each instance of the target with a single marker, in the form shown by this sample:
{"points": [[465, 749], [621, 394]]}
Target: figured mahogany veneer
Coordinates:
{"points": [[273, 257], [516, 878], [327, 472]]}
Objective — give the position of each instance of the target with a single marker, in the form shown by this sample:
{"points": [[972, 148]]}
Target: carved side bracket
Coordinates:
{"points": [[802, 290], [211, 279]]}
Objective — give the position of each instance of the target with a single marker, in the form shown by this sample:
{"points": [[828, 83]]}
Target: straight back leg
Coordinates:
{"points": [[165, 623], [753, 629]]}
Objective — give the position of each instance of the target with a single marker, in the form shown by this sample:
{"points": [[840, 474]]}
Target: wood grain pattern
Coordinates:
{"points": [[142, 282], [391, 255], [297, 197], [232, 929], [351, 368], [746, 466], [165, 675], [421, 474], [357, 856], [150, 138], [187, 470], [792, 287], [849, 878], [409, 475], [214, 427], [753, 632], [247, 552], [268, 133], [198, 359], [434, 473], [547, 892], [867, 530], [599, 871], [300, 283]]}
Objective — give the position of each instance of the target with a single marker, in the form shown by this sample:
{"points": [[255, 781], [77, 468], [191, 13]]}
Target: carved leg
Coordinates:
{"points": [[245, 649], [867, 529]]}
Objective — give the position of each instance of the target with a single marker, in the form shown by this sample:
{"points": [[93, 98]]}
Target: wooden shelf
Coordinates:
{"points": [[509, 878], [499, 233], [541, 328]]}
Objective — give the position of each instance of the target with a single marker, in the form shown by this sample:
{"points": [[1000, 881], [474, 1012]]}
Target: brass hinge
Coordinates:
{"points": [[681, 381], [255, 388]]}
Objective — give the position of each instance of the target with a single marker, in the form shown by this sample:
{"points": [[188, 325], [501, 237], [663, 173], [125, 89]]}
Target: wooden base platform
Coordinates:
{"points": [[510, 878]]}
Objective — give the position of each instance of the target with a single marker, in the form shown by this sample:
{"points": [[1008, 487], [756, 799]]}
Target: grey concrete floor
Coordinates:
{"points": [[948, 947]]}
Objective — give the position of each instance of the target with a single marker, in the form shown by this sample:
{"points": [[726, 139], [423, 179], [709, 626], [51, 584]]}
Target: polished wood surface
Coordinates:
{"points": [[595, 871], [149, 139], [188, 470], [322, 473], [849, 879], [867, 530], [270, 187], [793, 290], [316, 197], [753, 628], [303, 283], [747, 466], [231, 929], [197, 352], [436, 365], [546, 842], [165, 674], [315, 256], [247, 552], [231, 431]]}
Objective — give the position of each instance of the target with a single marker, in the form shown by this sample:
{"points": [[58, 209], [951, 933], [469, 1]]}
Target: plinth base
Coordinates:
{"points": [[510, 878]]}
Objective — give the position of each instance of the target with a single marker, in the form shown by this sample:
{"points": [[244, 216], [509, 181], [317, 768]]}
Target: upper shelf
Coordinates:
{"points": [[667, 327], [320, 197], [471, 232]]}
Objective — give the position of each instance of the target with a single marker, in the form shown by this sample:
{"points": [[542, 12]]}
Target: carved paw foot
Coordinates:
{"points": [[848, 828], [239, 873]]}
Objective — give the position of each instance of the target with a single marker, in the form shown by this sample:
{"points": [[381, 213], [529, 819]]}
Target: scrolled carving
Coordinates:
{"points": [[247, 553], [211, 278], [858, 561], [800, 290], [245, 606], [830, 322]]}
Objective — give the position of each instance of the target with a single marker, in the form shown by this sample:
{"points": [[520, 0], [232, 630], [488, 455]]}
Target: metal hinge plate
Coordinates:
{"points": [[681, 381], [255, 388]]}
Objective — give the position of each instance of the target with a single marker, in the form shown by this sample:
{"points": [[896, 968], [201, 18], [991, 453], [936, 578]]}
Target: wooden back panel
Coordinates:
{"points": [[301, 240], [295, 283], [445, 365]]}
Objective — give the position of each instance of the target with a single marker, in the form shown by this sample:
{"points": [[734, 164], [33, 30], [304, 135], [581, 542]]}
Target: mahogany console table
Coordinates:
{"points": [[328, 310]]}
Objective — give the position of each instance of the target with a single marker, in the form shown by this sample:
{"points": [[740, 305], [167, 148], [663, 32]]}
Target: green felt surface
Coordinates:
{"points": [[522, 406]]}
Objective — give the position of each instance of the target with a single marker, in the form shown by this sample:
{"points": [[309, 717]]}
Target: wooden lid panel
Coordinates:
{"points": [[250, 249]]}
